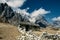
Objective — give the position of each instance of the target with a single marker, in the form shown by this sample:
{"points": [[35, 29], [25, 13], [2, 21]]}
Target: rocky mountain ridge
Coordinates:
{"points": [[9, 16]]}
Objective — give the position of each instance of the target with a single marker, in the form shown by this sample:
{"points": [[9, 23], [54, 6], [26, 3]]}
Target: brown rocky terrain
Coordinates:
{"points": [[8, 32], [48, 30]]}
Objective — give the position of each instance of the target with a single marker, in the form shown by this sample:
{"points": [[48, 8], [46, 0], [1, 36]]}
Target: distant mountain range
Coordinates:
{"points": [[14, 18]]}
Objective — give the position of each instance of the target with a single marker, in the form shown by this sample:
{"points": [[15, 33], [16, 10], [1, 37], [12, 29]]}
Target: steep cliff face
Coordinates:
{"points": [[8, 15], [6, 12]]}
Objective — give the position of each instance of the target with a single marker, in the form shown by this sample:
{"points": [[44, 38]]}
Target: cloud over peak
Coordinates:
{"points": [[37, 13], [32, 15], [40, 11], [16, 3], [56, 19], [13, 3]]}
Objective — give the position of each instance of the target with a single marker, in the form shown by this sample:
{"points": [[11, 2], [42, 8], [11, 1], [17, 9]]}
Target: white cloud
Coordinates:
{"points": [[40, 11], [56, 19], [13, 3], [36, 13], [16, 3]]}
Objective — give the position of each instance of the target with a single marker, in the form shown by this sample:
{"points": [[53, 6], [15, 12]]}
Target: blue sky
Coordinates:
{"points": [[51, 5]]}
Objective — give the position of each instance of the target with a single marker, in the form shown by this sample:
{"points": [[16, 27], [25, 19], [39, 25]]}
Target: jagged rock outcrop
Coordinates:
{"points": [[8, 15], [6, 12]]}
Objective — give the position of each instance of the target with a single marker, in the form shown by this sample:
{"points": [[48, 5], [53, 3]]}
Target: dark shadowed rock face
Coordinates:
{"points": [[8, 15], [41, 25], [42, 21]]}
